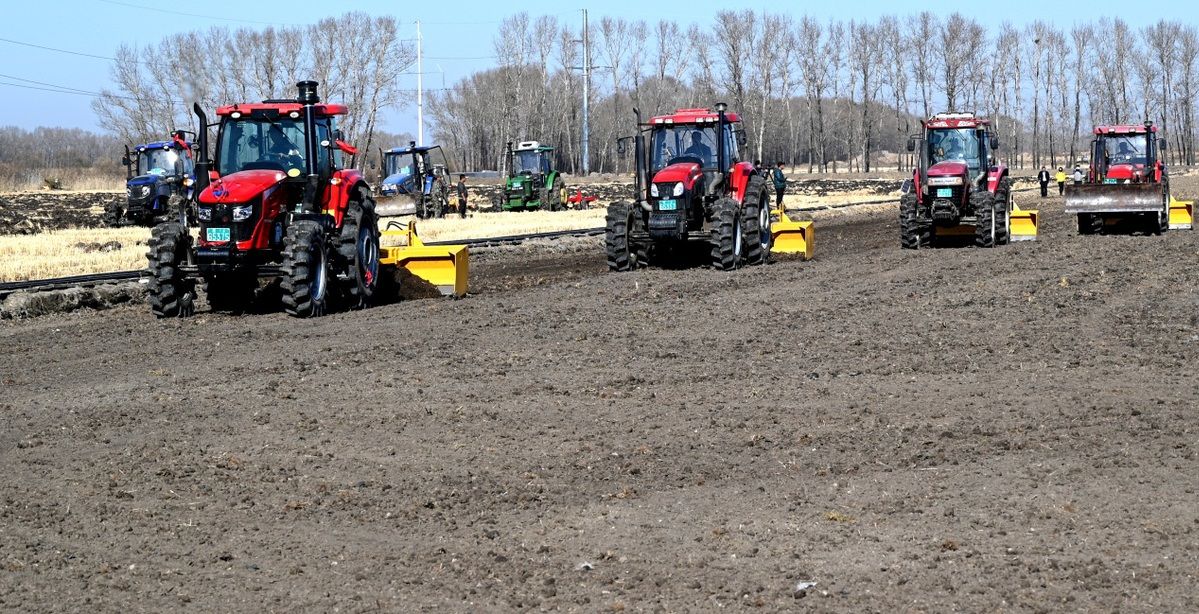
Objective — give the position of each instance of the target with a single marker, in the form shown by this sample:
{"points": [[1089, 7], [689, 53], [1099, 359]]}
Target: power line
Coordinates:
{"points": [[170, 12], [86, 55], [62, 87]]}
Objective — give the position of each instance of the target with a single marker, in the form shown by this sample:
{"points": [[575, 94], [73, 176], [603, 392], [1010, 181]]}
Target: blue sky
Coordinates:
{"points": [[456, 30]]}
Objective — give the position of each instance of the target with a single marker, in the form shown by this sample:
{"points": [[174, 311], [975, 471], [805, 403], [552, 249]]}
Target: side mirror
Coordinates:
{"points": [[741, 140], [911, 144], [622, 147], [125, 160], [1161, 144], [994, 143]]}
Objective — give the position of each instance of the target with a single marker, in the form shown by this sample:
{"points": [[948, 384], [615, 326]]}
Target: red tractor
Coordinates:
{"points": [[273, 202], [690, 184], [958, 189], [1127, 178]]}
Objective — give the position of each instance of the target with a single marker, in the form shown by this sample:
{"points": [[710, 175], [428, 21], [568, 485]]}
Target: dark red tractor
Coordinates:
{"points": [[690, 185], [1127, 179], [272, 202], [958, 188]]}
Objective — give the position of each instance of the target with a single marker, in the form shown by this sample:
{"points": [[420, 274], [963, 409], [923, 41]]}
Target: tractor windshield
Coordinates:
{"points": [[1125, 148], [248, 144], [158, 162], [530, 162], [672, 144], [958, 144], [396, 163]]}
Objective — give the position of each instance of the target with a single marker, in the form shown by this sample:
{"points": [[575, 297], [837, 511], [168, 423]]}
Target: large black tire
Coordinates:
{"points": [[305, 283], [914, 233], [171, 294], [757, 225], [727, 235], [1090, 223], [1159, 222], [234, 293], [986, 225], [618, 245], [112, 215], [358, 251], [553, 196], [1003, 212]]}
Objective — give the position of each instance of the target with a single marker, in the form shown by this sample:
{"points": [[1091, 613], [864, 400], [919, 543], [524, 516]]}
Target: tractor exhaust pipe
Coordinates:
{"points": [[508, 168], [203, 163], [128, 164], [721, 154], [640, 180], [307, 96]]}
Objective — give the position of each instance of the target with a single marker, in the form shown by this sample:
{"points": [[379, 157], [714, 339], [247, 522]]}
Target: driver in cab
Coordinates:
{"points": [[699, 149], [953, 150], [281, 148]]}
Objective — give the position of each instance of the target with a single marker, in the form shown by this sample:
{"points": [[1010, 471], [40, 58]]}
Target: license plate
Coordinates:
{"points": [[667, 205], [218, 235], [944, 192], [1110, 181]]}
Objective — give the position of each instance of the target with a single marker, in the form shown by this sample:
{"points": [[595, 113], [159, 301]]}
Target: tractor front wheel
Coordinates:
{"points": [[618, 244], [305, 270], [913, 232], [727, 233], [757, 224], [1003, 212], [986, 224], [171, 294], [112, 215], [1090, 223], [358, 250]]}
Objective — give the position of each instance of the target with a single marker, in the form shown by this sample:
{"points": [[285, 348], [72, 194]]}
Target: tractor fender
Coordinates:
{"points": [[994, 175], [337, 193], [739, 178]]}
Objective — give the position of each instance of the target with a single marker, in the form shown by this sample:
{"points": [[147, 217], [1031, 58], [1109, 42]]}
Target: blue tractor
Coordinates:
{"points": [[158, 181], [406, 168]]}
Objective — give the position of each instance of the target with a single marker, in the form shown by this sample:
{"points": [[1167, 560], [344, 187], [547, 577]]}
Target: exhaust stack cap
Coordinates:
{"points": [[307, 92]]}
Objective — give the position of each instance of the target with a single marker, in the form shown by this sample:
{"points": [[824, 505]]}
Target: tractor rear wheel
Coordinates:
{"points": [[358, 250], [171, 294], [619, 246], [986, 224], [305, 270], [1090, 223], [913, 232], [727, 235], [757, 224], [1003, 212]]}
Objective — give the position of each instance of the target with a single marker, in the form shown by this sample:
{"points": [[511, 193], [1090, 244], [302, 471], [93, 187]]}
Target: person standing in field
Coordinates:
{"points": [[1077, 175], [462, 195], [1061, 181], [780, 184], [1043, 178]]}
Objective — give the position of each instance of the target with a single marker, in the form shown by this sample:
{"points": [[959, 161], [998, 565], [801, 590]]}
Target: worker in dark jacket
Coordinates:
{"points": [[780, 184], [462, 195], [1043, 177]]}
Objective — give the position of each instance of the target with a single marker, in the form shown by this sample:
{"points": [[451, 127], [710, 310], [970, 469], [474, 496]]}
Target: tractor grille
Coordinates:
{"points": [[222, 217], [140, 205], [955, 193]]}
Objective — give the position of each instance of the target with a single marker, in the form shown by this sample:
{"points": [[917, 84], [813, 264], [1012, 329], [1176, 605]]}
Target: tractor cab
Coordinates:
{"points": [[1125, 154], [958, 145], [533, 182], [420, 171], [154, 172], [532, 159], [685, 150]]}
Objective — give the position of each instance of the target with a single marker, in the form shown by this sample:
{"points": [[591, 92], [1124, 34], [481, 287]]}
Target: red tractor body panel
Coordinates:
{"points": [[337, 195], [240, 187], [686, 172], [322, 110], [739, 176], [694, 116]]}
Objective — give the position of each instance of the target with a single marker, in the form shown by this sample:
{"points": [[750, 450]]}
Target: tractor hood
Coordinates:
{"points": [[399, 183], [949, 168], [143, 180], [241, 186], [686, 172], [1125, 172]]}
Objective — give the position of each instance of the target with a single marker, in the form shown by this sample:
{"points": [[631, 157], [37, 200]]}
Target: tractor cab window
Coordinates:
{"points": [[248, 144], [528, 163], [324, 155], [396, 163], [1125, 148], [159, 161], [957, 144], [730, 145], [674, 144]]}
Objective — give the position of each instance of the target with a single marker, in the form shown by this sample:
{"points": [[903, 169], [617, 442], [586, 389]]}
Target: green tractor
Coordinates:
{"points": [[533, 183]]}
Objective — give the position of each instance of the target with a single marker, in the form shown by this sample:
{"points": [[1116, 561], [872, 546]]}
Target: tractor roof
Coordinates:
{"points": [[159, 145], [281, 107], [1125, 129], [955, 120], [693, 116], [410, 149], [532, 146]]}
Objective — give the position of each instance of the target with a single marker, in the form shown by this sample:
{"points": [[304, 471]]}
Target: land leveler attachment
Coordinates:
{"points": [[791, 237], [1023, 223], [1182, 214], [445, 267]]}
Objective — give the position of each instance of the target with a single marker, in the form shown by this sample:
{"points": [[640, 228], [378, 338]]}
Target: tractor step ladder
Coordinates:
{"points": [[791, 237], [1182, 214], [445, 267]]}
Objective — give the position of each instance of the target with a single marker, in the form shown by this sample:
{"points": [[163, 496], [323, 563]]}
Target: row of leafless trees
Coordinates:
{"points": [[357, 58], [829, 95]]}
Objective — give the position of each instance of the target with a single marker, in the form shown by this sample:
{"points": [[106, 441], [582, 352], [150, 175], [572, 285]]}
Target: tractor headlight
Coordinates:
{"points": [[242, 213], [141, 191], [204, 213], [653, 190], [678, 189]]}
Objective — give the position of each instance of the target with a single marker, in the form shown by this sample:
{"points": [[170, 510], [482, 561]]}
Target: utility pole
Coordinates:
{"points": [[420, 89], [586, 96]]}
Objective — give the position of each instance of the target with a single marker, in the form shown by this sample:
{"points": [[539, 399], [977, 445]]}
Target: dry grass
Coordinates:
{"points": [[71, 252], [36, 180]]}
